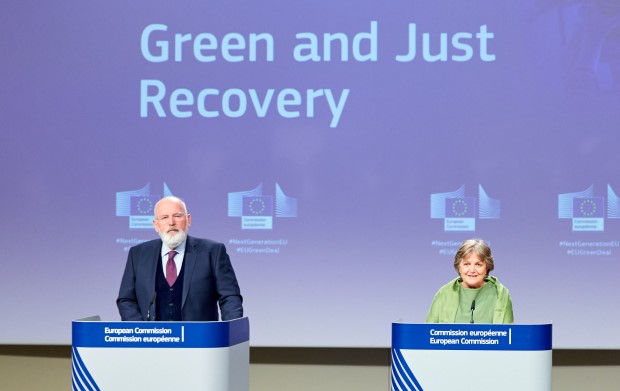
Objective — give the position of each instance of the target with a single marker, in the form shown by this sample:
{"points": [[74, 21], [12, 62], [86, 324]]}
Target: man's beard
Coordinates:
{"points": [[173, 238]]}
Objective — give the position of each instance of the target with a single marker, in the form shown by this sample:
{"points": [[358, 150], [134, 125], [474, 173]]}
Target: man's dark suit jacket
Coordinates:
{"points": [[209, 280]]}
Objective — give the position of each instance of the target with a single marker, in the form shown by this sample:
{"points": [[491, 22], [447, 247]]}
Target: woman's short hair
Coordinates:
{"points": [[478, 247]]}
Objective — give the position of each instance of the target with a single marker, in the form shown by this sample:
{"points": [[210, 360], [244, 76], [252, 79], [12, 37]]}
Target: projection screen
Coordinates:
{"points": [[342, 150]]}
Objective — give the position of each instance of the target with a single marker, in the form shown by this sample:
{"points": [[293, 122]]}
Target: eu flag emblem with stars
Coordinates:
{"points": [[463, 207], [589, 207], [257, 206], [143, 205]]}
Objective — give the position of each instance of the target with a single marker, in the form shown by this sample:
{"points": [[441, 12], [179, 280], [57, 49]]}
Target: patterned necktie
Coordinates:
{"points": [[171, 268]]}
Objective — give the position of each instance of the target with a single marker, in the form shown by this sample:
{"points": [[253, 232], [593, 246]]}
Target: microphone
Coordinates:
{"points": [[152, 304], [473, 307]]}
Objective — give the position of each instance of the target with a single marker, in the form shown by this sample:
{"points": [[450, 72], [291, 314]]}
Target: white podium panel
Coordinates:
{"points": [[438, 357], [154, 356]]}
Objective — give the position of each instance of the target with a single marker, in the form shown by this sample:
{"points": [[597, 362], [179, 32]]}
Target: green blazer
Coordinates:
{"points": [[446, 303]]}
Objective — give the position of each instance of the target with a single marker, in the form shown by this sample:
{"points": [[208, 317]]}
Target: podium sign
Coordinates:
{"points": [[437, 357], [152, 356]]}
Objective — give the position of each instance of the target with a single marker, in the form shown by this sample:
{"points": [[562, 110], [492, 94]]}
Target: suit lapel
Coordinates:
{"points": [[154, 256], [189, 261]]}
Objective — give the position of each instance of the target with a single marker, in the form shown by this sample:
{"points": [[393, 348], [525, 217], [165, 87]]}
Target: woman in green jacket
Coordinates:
{"points": [[474, 296]]}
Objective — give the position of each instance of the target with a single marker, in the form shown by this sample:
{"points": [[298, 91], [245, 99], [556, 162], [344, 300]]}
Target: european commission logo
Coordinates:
{"points": [[139, 206], [257, 210], [459, 211], [587, 211]]}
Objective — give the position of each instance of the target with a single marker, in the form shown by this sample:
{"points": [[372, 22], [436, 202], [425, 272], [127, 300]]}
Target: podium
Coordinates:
{"points": [[117, 356], [437, 357]]}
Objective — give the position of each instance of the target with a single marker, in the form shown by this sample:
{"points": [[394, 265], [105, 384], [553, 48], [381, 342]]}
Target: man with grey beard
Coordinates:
{"points": [[178, 277]]}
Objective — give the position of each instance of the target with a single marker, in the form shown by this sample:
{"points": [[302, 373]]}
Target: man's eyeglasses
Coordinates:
{"points": [[166, 218]]}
